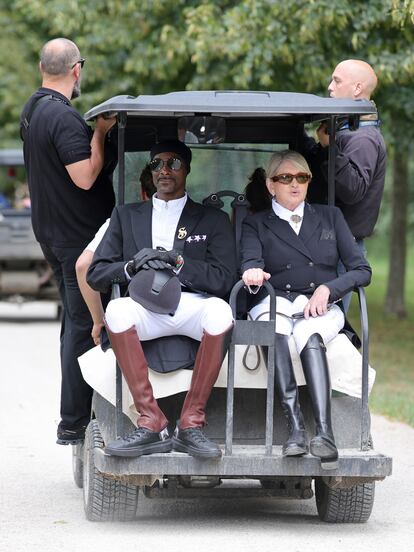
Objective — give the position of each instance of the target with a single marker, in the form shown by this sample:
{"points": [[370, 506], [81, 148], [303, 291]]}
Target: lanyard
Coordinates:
{"points": [[345, 126]]}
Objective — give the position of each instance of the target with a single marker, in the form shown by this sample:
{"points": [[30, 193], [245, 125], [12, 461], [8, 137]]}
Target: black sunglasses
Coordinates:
{"points": [[301, 178], [81, 61], [173, 163]]}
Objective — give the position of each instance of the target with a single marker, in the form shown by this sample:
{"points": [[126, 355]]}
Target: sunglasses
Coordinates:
{"points": [[81, 61], [301, 178], [173, 163]]}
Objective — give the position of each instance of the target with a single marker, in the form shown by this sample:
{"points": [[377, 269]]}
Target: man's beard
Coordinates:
{"points": [[76, 92]]}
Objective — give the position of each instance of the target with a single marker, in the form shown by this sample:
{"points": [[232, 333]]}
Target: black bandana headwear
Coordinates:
{"points": [[175, 146]]}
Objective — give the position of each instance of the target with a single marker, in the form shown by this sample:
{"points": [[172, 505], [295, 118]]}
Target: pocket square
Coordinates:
{"points": [[328, 234], [196, 238]]}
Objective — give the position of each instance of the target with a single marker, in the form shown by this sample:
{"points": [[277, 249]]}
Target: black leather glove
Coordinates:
{"points": [[157, 259], [156, 264], [172, 258]]}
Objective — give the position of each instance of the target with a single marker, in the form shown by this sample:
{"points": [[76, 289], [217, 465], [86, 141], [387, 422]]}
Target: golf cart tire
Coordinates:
{"points": [[349, 505], [104, 499], [77, 464]]}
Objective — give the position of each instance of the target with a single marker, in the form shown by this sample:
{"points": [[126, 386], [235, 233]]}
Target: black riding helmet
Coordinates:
{"points": [[156, 290]]}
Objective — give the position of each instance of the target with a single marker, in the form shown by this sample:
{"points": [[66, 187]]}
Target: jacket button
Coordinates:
{"points": [[311, 263], [311, 285], [288, 286], [288, 266]]}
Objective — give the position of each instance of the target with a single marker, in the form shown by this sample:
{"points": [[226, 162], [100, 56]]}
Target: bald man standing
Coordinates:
{"points": [[360, 154], [71, 196], [354, 79]]}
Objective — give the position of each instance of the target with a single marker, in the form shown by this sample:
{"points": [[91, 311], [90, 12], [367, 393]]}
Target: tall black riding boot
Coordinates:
{"points": [[316, 371], [285, 383]]}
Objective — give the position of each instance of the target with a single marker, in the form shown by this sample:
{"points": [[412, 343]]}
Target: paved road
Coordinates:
{"points": [[42, 510]]}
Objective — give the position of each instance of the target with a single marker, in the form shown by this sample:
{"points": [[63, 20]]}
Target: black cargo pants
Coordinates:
{"points": [[75, 336]]}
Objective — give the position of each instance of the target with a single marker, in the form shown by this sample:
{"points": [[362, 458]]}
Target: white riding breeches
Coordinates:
{"points": [[195, 314], [327, 325]]}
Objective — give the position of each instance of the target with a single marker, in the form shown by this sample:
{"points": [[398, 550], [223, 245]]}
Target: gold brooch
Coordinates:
{"points": [[182, 233]]}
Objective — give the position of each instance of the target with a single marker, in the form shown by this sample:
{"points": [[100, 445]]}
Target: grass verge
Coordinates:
{"points": [[391, 340]]}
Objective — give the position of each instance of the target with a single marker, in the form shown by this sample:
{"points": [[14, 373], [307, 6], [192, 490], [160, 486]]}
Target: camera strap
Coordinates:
{"points": [[24, 122]]}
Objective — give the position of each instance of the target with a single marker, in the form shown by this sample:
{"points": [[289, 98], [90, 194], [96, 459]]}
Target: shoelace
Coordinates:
{"points": [[197, 435], [140, 431]]}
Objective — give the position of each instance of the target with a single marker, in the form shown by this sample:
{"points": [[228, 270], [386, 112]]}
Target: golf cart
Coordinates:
{"points": [[231, 133], [24, 272]]}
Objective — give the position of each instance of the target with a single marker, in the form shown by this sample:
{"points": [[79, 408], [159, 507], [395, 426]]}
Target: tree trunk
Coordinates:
{"points": [[394, 302]]}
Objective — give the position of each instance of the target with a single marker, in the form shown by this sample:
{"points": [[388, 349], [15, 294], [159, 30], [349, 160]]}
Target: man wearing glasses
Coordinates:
{"points": [[71, 196], [171, 231]]}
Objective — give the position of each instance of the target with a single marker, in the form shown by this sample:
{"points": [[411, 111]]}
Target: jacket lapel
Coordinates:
{"points": [[284, 232], [141, 223], [311, 223], [189, 218]]}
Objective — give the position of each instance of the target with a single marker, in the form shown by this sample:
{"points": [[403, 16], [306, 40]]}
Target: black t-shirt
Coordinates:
{"points": [[63, 214]]}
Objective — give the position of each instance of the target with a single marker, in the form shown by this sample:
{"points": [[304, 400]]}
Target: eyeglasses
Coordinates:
{"points": [[173, 163], [301, 178], [81, 61]]}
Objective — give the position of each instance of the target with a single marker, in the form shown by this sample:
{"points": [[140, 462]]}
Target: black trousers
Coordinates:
{"points": [[75, 336]]}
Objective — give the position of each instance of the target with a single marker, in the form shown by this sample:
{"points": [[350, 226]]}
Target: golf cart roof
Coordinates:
{"points": [[232, 104], [228, 117]]}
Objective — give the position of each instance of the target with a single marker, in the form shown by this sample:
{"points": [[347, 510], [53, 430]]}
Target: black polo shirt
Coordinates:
{"points": [[63, 215]]}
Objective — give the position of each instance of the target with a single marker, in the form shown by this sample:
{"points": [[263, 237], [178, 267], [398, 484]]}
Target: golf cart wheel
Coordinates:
{"points": [[349, 505], [104, 499], [77, 464]]}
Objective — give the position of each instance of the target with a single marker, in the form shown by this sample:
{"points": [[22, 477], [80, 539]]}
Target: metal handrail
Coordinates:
{"points": [[331, 160], [250, 332], [363, 313], [115, 294]]}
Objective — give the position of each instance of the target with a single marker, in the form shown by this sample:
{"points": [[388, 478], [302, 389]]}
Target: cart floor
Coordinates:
{"points": [[246, 461]]}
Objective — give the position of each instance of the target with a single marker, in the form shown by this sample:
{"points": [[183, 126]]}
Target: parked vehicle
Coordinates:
{"points": [[24, 272], [230, 134]]}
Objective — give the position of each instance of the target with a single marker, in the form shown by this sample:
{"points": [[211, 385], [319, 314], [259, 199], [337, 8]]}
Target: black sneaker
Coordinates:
{"points": [[193, 441], [141, 441], [72, 436]]}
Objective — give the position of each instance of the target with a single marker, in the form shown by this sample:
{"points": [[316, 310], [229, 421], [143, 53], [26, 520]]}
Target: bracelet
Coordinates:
{"points": [[255, 290]]}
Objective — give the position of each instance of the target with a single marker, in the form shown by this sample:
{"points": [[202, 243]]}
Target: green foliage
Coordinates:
{"points": [[391, 340], [154, 46]]}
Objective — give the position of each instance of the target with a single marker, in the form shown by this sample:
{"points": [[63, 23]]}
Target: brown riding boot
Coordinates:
{"points": [[151, 435], [188, 436]]}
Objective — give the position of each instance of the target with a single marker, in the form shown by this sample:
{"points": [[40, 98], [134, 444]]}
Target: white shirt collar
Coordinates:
{"points": [[174, 205], [284, 213]]}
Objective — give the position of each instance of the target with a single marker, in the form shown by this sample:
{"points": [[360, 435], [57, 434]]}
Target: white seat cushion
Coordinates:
{"points": [[345, 365]]}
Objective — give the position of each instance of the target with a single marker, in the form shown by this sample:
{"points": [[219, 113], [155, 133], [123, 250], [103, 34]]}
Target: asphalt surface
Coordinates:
{"points": [[41, 509]]}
